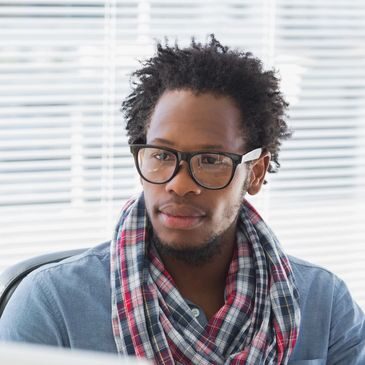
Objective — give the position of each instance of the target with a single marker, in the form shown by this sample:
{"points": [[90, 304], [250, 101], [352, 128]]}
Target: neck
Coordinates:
{"points": [[203, 284]]}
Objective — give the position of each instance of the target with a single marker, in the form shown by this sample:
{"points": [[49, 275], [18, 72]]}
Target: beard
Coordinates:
{"points": [[193, 256], [201, 253]]}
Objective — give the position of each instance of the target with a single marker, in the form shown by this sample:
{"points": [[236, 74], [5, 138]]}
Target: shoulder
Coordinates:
{"points": [[332, 324], [99, 253], [318, 287], [309, 276], [62, 303], [302, 266], [62, 284], [69, 278], [92, 262]]}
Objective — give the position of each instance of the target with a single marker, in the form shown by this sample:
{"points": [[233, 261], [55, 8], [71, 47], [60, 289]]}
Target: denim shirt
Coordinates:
{"points": [[69, 304]]}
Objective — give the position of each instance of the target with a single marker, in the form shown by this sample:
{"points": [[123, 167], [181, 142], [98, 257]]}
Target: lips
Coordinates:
{"points": [[180, 216]]}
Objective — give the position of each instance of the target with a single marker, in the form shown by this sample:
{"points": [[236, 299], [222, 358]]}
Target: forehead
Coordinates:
{"points": [[187, 120]]}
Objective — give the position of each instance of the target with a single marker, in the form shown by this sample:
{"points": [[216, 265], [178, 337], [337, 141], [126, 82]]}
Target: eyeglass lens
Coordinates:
{"points": [[211, 170]]}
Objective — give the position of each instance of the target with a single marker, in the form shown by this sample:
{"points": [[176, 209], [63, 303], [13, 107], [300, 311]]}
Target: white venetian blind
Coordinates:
{"points": [[317, 201], [64, 162], [65, 167]]}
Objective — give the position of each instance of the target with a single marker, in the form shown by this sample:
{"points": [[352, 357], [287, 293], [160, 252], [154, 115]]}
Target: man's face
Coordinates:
{"points": [[184, 215]]}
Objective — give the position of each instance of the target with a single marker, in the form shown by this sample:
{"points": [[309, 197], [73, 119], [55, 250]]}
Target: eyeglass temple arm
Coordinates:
{"points": [[252, 155]]}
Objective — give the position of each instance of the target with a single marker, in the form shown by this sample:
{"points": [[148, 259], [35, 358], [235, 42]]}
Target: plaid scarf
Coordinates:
{"points": [[257, 325]]}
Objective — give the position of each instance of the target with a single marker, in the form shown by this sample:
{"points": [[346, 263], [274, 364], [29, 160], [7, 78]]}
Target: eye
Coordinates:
{"points": [[211, 159], [163, 156]]}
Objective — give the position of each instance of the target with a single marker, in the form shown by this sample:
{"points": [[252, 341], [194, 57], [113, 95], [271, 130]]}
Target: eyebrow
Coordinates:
{"points": [[200, 147]]}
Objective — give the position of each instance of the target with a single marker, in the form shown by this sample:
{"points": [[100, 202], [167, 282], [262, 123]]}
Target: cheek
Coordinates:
{"points": [[234, 197], [150, 192], [228, 204]]}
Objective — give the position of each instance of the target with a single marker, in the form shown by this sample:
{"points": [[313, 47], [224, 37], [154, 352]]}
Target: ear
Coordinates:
{"points": [[258, 172]]}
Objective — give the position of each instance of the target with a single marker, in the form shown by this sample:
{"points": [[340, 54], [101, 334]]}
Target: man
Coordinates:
{"points": [[193, 275]]}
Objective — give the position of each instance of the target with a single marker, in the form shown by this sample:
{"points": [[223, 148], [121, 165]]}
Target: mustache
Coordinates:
{"points": [[180, 203]]}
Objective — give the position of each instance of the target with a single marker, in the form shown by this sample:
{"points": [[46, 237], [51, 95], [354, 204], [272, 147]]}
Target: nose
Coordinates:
{"points": [[182, 183]]}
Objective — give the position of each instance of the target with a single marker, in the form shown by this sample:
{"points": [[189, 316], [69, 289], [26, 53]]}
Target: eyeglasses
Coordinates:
{"points": [[211, 170]]}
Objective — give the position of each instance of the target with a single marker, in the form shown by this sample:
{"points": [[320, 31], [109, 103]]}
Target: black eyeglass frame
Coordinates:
{"points": [[187, 156]]}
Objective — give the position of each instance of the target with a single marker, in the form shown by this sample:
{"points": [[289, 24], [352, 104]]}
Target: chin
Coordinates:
{"points": [[187, 251], [179, 244], [181, 240]]}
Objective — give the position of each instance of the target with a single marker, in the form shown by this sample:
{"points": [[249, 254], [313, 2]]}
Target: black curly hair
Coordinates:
{"points": [[211, 68]]}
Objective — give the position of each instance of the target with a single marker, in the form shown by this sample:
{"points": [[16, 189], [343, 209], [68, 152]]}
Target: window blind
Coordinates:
{"points": [[64, 161], [317, 200], [65, 167]]}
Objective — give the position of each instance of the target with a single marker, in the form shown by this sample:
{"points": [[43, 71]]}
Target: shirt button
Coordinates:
{"points": [[195, 312]]}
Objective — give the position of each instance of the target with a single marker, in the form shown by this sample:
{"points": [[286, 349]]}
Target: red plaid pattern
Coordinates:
{"points": [[257, 325]]}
